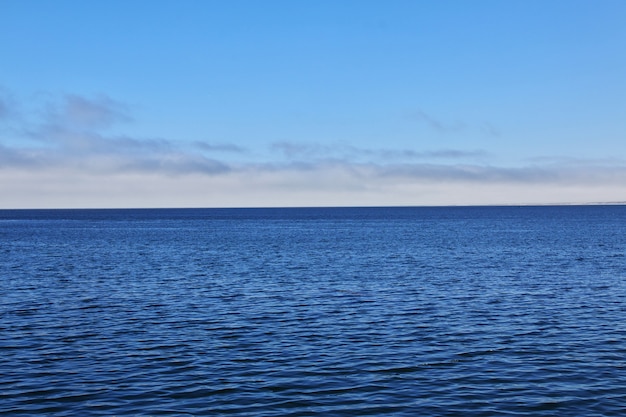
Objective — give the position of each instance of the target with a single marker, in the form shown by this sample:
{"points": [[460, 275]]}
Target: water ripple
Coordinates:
{"points": [[443, 313]]}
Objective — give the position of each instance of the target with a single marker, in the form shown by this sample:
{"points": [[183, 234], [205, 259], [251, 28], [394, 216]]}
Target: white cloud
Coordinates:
{"points": [[270, 185], [73, 162], [71, 134]]}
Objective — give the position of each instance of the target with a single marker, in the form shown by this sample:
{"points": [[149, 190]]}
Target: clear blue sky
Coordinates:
{"points": [[288, 103]]}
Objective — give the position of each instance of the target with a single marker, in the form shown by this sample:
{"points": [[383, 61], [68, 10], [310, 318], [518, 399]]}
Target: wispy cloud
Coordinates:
{"points": [[81, 113], [72, 153], [5, 105], [490, 130], [440, 173], [443, 126], [71, 131], [437, 124], [313, 152], [218, 147]]}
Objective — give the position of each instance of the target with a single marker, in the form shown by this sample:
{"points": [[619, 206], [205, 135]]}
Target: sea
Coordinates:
{"points": [[401, 311]]}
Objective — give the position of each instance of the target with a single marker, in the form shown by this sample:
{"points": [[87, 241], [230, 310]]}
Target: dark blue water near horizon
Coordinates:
{"points": [[449, 311]]}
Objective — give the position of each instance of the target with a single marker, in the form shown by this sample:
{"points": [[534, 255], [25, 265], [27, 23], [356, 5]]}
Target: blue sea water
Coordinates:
{"points": [[481, 311]]}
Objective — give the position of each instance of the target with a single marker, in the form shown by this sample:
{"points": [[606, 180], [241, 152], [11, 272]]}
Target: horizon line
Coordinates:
{"points": [[562, 204]]}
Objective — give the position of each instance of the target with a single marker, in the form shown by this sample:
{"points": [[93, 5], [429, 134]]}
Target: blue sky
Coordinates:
{"points": [[305, 103]]}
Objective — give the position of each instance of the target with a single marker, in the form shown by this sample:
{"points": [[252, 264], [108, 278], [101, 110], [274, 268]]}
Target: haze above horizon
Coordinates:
{"points": [[325, 103]]}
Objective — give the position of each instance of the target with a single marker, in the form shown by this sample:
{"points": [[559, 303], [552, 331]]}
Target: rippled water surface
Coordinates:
{"points": [[302, 312]]}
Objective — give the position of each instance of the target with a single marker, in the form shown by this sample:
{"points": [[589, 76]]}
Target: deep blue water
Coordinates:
{"points": [[479, 311]]}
